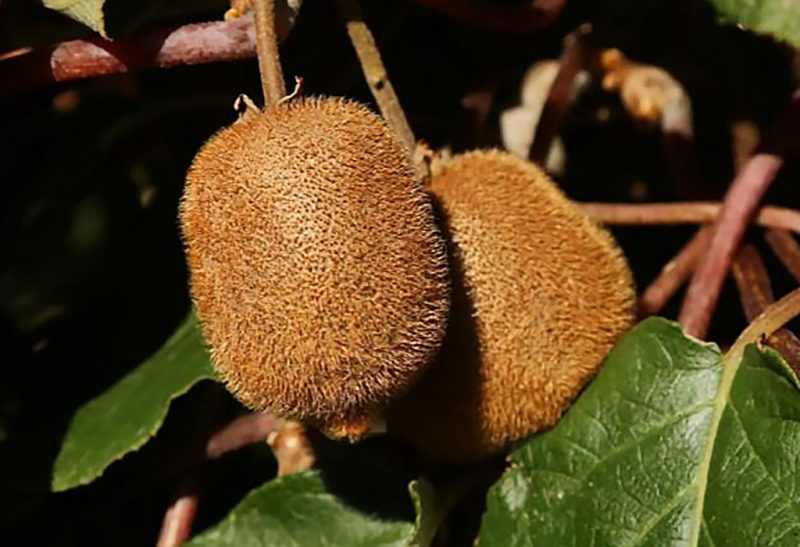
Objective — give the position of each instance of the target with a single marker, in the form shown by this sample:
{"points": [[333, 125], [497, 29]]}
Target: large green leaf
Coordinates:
{"points": [[299, 510], [124, 418], [781, 18], [670, 445], [88, 12]]}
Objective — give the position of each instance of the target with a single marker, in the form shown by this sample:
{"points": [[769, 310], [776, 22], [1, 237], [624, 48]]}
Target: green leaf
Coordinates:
{"points": [[781, 19], [298, 510], [124, 418], [669, 445], [88, 12], [428, 518]]}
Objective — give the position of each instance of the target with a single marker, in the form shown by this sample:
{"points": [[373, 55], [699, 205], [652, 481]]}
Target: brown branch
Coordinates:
{"points": [[525, 17], [375, 73], [269, 62], [558, 97], [753, 282], [786, 248], [674, 274], [241, 432], [738, 210], [177, 525], [755, 292], [651, 214], [186, 45], [787, 344]]}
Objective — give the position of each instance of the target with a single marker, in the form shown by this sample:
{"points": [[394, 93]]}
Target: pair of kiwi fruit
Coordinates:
{"points": [[332, 286]]}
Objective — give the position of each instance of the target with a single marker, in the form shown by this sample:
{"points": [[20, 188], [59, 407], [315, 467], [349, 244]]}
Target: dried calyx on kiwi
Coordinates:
{"points": [[317, 271], [540, 295]]}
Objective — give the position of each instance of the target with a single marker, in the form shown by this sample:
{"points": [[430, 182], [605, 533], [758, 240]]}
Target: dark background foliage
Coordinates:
{"points": [[92, 275]]}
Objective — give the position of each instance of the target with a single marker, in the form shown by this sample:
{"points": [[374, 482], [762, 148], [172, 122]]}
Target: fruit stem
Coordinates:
{"points": [[375, 73], [269, 62]]}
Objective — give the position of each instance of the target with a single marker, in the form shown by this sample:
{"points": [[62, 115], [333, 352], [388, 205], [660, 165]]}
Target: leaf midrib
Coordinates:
{"points": [[730, 363]]}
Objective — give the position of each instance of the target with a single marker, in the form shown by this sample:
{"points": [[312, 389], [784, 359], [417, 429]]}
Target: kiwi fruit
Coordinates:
{"points": [[317, 270], [540, 295]]}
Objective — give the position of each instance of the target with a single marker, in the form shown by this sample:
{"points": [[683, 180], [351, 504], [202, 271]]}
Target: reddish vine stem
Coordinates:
{"points": [[755, 291], [525, 17], [752, 280], [558, 97], [167, 47], [651, 214], [786, 248], [674, 274], [176, 527], [738, 210], [249, 429], [216, 42]]}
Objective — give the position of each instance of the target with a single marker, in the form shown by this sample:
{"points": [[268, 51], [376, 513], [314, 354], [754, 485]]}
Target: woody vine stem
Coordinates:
{"points": [[380, 85], [269, 62]]}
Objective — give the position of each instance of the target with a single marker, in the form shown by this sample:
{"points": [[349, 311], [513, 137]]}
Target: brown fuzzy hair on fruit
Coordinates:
{"points": [[317, 270], [540, 295]]}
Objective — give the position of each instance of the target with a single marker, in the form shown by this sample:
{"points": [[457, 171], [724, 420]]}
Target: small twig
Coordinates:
{"points": [[739, 208], [375, 73], [787, 344], [558, 98], [651, 214], [674, 274], [269, 62], [753, 282], [524, 17], [249, 429], [755, 291], [168, 47], [177, 525], [786, 248]]}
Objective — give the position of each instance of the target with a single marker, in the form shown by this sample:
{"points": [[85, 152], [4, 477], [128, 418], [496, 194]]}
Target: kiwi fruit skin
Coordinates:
{"points": [[317, 270], [540, 295]]}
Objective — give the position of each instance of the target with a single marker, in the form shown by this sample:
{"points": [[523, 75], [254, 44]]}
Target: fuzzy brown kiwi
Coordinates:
{"points": [[540, 295], [317, 270]]}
